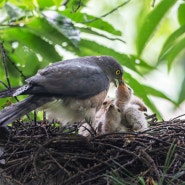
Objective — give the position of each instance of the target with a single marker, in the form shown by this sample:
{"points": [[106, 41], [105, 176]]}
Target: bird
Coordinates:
{"points": [[123, 96], [69, 91], [133, 114], [86, 130], [112, 121], [132, 108]]}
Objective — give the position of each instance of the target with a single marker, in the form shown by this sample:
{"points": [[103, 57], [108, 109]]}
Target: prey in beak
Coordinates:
{"points": [[118, 82]]}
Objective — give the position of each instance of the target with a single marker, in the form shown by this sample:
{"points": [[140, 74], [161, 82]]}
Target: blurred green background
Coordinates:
{"points": [[146, 37]]}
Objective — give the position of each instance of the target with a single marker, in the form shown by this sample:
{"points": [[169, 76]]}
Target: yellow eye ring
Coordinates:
{"points": [[118, 72]]}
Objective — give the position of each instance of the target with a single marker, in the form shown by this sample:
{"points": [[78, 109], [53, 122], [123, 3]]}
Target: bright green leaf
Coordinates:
{"points": [[92, 48], [43, 29], [151, 22], [172, 40], [48, 3], [182, 93], [86, 20], [14, 12], [141, 63], [96, 33], [2, 2], [181, 14], [30, 47], [63, 25], [75, 5], [173, 52], [24, 4], [154, 92]]}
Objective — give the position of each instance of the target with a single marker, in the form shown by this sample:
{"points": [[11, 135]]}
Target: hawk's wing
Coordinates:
{"points": [[67, 79]]}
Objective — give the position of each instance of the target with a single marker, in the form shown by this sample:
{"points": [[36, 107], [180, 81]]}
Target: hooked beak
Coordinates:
{"points": [[120, 81]]}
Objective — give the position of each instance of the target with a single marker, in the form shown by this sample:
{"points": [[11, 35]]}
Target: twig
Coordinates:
{"points": [[4, 64], [108, 13]]}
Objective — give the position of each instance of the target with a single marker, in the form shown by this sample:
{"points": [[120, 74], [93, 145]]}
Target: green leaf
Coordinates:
{"points": [[64, 25], [140, 91], [43, 29], [87, 20], [96, 33], [2, 2], [14, 12], [141, 63], [29, 48], [154, 92], [181, 14], [182, 93], [93, 48], [174, 38], [75, 5], [48, 3], [24, 4], [172, 53], [151, 22]]}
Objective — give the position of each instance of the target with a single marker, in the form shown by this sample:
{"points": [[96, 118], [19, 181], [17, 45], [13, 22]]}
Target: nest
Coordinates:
{"points": [[42, 154]]}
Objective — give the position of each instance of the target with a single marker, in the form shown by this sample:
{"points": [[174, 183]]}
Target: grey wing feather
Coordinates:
{"points": [[15, 111], [77, 80]]}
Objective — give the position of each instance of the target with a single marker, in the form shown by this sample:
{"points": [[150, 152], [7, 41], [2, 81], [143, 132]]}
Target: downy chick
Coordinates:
{"points": [[132, 109], [134, 117], [85, 128], [112, 121]]}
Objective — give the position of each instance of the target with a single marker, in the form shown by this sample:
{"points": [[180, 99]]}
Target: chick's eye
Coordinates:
{"points": [[118, 72]]}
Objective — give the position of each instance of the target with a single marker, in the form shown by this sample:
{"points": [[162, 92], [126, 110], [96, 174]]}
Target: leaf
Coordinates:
{"points": [[2, 2], [24, 4], [64, 25], [75, 5], [141, 63], [181, 14], [151, 22], [154, 92], [29, 48], [88, 47], [86, 20], [43, 29], [96, 33], [174, 38], [14, 12], [173, 52], [182, 93], [48, 3]]}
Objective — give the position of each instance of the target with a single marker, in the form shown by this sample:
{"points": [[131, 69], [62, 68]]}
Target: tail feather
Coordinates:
{"points": [[15, 111], [7, 93]]}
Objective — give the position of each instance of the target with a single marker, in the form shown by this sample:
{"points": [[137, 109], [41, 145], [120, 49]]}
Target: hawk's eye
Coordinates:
{"points": [[118, 72]]}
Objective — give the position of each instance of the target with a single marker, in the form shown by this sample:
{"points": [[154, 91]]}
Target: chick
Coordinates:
{"points": [[85, 128], [137, 101], [123, 96], [134, 117], [131, 108], [112, 121]]}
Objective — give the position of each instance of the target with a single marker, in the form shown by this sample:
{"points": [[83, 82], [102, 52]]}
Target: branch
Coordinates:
{"points": [[108, 13], [4, 64]]}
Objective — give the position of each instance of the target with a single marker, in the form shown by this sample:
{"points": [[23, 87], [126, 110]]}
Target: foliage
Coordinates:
{"points": [[38, 32]]}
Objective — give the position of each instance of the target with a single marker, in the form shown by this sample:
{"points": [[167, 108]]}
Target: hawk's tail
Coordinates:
{"points": [[8, 92], [15, 111]]}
